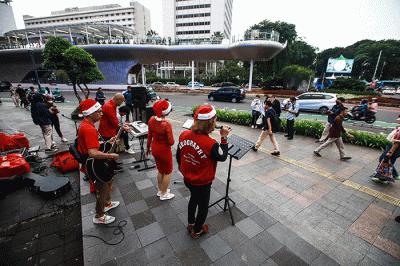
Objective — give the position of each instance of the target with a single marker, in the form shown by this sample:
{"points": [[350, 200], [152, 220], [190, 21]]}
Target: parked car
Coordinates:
{"points": [[216, 85], [150, 90], [228, 84], [196, 84], [5, 85], [171, 84], [233, 94], [388, 90], [319, 102], [252, 85], [157, 84]]}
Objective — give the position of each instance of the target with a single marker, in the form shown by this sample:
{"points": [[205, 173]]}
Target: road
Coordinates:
{"points": [[385, 114]]}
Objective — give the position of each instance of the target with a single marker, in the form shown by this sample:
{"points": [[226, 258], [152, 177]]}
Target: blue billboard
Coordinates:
{"points": [[339, 65]]}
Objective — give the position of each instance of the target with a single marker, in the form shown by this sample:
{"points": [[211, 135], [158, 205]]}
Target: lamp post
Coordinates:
{"points": [[30, 51]]}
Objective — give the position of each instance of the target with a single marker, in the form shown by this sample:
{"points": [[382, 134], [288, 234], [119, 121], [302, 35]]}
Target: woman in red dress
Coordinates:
{"points": [[160, 139]]}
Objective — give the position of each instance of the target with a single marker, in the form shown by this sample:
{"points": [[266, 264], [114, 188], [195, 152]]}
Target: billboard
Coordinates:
{"points": [[339, 65]]}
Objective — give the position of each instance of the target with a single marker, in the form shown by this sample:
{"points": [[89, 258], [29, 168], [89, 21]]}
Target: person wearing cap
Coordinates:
{"points": [[197, 157], [88, 144], [334, 136], [159, 142], [371, 109], [332, 114], [41, 116]]}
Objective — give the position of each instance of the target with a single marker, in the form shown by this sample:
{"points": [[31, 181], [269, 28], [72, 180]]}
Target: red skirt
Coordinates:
{"points": [[163, 157]]}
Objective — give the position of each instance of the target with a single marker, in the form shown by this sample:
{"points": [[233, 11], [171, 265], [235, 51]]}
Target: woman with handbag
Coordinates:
{"points": [[389, 156], [255, 111]]}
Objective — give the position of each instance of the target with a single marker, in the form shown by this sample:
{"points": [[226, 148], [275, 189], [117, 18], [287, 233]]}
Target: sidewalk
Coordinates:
{"points": [[295, 209]]}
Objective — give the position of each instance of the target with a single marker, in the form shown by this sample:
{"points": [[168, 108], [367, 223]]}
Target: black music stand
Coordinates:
{"points": [[238, 147], [143, 157]]}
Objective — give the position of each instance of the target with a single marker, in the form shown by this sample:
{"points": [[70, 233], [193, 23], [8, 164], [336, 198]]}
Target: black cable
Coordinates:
{"points": [[117, 231]]}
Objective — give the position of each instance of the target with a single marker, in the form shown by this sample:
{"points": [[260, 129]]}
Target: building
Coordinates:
{"points": [[195, 20], [136, 17], [7, 20]]}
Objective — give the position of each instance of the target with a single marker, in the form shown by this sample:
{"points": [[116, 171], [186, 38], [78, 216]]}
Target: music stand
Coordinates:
{"points": [[238, 147]]}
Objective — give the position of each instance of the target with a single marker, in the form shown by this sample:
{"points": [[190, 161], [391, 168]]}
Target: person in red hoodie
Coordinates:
{"points": [[197, 157], [159, 142]]}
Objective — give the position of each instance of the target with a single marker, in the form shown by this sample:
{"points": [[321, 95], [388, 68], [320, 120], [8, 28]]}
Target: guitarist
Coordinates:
{"points": [[88, 144]]}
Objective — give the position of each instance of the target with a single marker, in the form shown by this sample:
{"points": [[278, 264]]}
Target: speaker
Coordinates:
{"points": [[148, 114], [139, 97]]}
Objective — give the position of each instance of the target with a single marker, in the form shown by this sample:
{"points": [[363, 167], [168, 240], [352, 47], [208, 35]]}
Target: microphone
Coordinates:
{"points": [[220, 127]]}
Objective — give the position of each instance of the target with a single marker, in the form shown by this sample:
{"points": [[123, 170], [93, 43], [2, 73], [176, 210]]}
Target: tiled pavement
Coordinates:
{"points": [[292, 209]]}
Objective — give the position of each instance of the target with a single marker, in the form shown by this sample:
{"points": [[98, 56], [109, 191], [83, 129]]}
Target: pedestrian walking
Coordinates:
{"points": [[267, 130], [128, 101], [276, 105], [335, 136], [100, 98], [14, 96], [159, 141], [292, 109], [332, 114], [48, 101], [255, 111], [391, 153]]}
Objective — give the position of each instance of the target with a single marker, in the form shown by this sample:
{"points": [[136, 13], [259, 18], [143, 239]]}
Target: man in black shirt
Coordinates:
{"points": [[332, 114], [276, 105], [23, 96]]}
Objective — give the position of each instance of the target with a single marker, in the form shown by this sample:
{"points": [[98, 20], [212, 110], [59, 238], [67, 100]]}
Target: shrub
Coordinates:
{"points": [[310, 128], [343, 84]]}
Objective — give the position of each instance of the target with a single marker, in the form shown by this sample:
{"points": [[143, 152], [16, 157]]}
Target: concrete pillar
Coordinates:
{"points": [[143, 75], [192, 74], [251, 74]]}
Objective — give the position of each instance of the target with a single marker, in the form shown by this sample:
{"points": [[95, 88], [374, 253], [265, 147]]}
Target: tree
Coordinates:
{"points": [[78, 64], [294, 75], [218, 34], [152, 33], [231, 71]]}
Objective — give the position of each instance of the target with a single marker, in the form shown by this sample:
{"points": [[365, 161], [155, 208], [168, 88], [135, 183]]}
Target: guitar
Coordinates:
{"points": [[102, 170], [47, 187]]}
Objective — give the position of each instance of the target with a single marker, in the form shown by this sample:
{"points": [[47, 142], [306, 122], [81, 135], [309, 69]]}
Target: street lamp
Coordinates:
{"points": [[30, 52]]}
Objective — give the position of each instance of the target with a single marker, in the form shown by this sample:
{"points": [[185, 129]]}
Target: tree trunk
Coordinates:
{"points": [[87, 92], [76, 93]]}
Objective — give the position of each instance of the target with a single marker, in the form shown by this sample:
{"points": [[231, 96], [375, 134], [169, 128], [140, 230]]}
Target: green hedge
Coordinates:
{"points": [[362, 93], [310, 128]]}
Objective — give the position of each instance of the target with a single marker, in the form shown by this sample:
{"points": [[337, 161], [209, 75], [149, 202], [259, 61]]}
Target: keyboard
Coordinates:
{"points": [[139, 129]]}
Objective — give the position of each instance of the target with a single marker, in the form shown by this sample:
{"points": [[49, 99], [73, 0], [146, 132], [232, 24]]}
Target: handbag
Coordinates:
{"points": [[259, 121], [384, 171]]}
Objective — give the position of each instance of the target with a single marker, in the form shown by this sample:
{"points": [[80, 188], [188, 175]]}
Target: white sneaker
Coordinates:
{"points": [[111, 206], [159, 193], [252, 126], [53, 143], [64, 140], [130, 151], [167, 196], [105, 219]]}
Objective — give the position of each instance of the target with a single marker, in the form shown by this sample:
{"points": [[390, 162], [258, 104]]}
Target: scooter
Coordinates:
{"points": [[59, 98], [356, 115]]}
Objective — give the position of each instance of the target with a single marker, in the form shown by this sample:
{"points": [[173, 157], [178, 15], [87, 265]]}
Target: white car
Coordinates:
{"points": [[171, 84], [314, 101], [389, 90]]}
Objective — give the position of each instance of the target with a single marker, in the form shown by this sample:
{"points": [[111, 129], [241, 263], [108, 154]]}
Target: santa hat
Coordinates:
{"points": [[88, 107], [204, 112], [162, 108]]}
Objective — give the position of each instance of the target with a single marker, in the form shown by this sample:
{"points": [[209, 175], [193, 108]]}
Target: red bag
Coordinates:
{"points": [[13, 142], [13, 165], [65, 161]]}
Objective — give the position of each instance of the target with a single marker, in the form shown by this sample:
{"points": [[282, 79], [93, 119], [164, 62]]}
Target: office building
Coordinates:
{"points": [[196, 20], [7, 20], [136, 17]]}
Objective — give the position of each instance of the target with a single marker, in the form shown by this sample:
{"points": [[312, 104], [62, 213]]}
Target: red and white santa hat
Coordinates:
{"points": [[204, 112], [162, 108], [88, 107]]}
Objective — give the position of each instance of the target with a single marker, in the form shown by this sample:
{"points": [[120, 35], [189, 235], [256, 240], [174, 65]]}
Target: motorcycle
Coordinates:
{"points": [[59, 98], [353, 114]]}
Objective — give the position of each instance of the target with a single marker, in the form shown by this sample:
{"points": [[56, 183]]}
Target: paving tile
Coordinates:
{"points": [[52, 256], [131, 197], [324, 260], [286, 257], [229, 259], [137, 207], [215, 247], [181, 240], [263, 219], [387, 246], [367, 262], [49, 242], [219, 221], [233, 237], [381, 257], [128, 188], [342, 255], [169, 223], [251, 254], [267, 243], [303, 249], [194, 255], [159, 249], [150, 234], [142, 219], [170, 259], [269, 262], [249, 227], [134, 258], [247, 207], [149, 192], [154, 202], [179, 205], [144, 184], [281, 233]]}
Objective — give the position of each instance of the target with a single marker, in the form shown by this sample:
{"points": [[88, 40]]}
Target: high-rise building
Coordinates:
{"points": [[136, 17], [7, 20], [196, 20]]}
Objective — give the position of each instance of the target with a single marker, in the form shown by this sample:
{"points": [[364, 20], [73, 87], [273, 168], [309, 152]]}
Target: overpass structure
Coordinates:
{"points": [[118, 61]]}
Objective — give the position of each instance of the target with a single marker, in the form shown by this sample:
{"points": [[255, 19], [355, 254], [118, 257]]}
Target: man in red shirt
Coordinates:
{"points": [[334, 136], [197, 157], [88, 144]]}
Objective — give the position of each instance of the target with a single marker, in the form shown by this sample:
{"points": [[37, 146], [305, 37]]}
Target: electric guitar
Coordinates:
{"points": [[102, 170]]}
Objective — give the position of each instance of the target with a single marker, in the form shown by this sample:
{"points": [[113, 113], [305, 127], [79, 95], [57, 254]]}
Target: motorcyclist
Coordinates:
{"points": [[363, 108], [372, 108]]}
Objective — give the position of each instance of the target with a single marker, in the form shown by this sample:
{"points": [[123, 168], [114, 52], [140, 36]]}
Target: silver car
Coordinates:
{"points": [[317, 102]]}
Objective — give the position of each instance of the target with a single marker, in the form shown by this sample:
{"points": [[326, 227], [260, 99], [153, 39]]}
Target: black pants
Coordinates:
{"points": [[254, 119], [56, 124], [199, 197], [130, 106], [290, 128], [125, 137]]}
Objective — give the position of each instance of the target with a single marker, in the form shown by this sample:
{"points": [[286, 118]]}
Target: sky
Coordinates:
{"points": [[322, 24]]}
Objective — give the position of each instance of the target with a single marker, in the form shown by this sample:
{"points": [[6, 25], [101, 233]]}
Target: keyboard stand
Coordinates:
{"points": [[143, 157]]}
